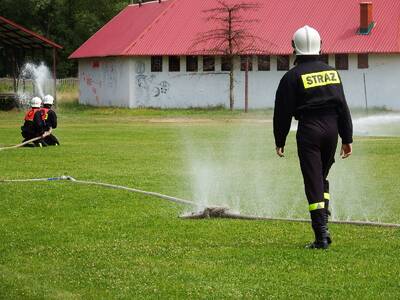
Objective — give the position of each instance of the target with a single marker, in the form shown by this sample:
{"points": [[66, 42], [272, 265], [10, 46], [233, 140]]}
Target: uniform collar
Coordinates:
{"points": [[305, 58]]}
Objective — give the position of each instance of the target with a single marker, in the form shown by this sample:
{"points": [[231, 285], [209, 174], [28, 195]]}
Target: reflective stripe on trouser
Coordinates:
{"points": [[315, 206]]}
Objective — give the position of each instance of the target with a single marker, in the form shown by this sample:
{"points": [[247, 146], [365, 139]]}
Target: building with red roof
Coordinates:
{"points": [[149, 55]]}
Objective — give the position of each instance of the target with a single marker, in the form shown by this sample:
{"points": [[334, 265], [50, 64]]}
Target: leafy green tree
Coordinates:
{"points": [[67, 22]]}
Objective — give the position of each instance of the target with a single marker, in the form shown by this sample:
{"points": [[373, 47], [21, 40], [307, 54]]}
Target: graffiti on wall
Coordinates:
{"points": [[140, 67], [101, 77], [162, 88], [109, 74], [148, 86], [92, 84]]}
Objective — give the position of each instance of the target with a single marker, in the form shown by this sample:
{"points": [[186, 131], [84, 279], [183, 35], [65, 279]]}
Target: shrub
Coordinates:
{"points": [[7, 102]]}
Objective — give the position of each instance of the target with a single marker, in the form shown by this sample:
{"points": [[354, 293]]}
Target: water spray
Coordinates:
{"points": [[40, 74], [41, 78], [208, 212], [378, 125]]}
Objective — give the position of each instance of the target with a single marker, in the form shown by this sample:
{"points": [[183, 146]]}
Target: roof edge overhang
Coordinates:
{"points": [[146, 3], [34, 34], [222, 54]]}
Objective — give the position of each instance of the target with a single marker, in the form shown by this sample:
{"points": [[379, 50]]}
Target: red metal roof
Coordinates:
{"points": [[12, 34], [171, 27]]}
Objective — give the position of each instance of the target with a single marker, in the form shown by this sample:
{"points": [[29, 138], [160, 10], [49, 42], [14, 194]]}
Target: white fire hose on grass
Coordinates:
{"points": [[112, 186], [209, 212], [22, 144], [27, 142]]}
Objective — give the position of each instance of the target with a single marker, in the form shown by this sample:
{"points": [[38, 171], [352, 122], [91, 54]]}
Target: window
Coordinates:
{"points": [[363, 61], [225, 63], [208, 63], [192, 64], [324, 58], [174, 64], [156, 63], [243, 63], [341, 61], [264, 63], [283, 62]]}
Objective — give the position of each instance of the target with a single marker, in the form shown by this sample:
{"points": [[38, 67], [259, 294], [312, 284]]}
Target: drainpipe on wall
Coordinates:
{"points": [[246, 86], [365, 94]]}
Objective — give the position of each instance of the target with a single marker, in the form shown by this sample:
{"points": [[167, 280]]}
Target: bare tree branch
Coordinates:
{"points": [[231, 35]]}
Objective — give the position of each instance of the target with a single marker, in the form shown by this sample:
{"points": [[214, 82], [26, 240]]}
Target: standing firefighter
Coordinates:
{"points": [[312, 92], [50, 120], [33, 123]]}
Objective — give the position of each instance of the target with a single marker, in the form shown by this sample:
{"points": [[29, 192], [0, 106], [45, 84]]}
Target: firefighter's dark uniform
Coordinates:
{"points": [[33, 126], [312, 92], [50, 121]]}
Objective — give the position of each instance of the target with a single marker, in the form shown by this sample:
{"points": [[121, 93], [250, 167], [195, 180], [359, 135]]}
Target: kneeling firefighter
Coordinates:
{"points": [[33, 123], [50, 120], [312, 92]]}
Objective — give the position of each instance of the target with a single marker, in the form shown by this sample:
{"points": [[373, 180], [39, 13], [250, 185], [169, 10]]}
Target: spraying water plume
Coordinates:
{"points": [[240, 171], [40, 77], [236, 168], [378, 125]]}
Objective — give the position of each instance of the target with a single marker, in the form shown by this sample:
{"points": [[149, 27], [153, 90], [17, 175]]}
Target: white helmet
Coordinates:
{"points": [[36, 102], [306, 41], [48, 99]]}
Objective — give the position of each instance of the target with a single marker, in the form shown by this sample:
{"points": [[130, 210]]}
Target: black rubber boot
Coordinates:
{"points": [[318, 245], [318, 224], [40, 143]]}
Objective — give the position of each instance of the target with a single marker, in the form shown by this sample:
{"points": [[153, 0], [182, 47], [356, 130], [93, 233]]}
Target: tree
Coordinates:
{"points": [[230, 37], [67, 22]]}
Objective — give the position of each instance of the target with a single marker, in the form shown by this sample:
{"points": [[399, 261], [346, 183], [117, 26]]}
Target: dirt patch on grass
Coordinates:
{"points": [[199, 120]]}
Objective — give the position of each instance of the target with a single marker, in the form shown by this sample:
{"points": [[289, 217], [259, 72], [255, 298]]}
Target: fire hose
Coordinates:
{"points": [[26, 142], [22, 144], [208, 212]]}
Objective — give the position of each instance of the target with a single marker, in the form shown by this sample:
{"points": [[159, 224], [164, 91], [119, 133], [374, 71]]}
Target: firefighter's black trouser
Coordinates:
{"points": [[317, 137], [27, 135]]}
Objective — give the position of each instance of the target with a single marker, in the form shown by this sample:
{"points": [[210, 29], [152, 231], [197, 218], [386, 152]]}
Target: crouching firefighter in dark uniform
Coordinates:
{"points": [[312, 92], [50, 121], [34, 124]]}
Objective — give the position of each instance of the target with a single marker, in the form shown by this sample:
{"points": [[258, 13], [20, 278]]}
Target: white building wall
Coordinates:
{"points": [[129, 82], [104, 82], [262, 84], [177, 89], [382, 82], [201, 89]]}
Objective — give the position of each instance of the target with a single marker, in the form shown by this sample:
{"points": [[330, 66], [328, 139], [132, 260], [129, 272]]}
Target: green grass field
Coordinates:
{"points": [[64, 241]]}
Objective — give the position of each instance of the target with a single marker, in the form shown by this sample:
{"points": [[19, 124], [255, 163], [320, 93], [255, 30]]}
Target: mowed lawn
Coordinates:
{"points": [[59, 240]]}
